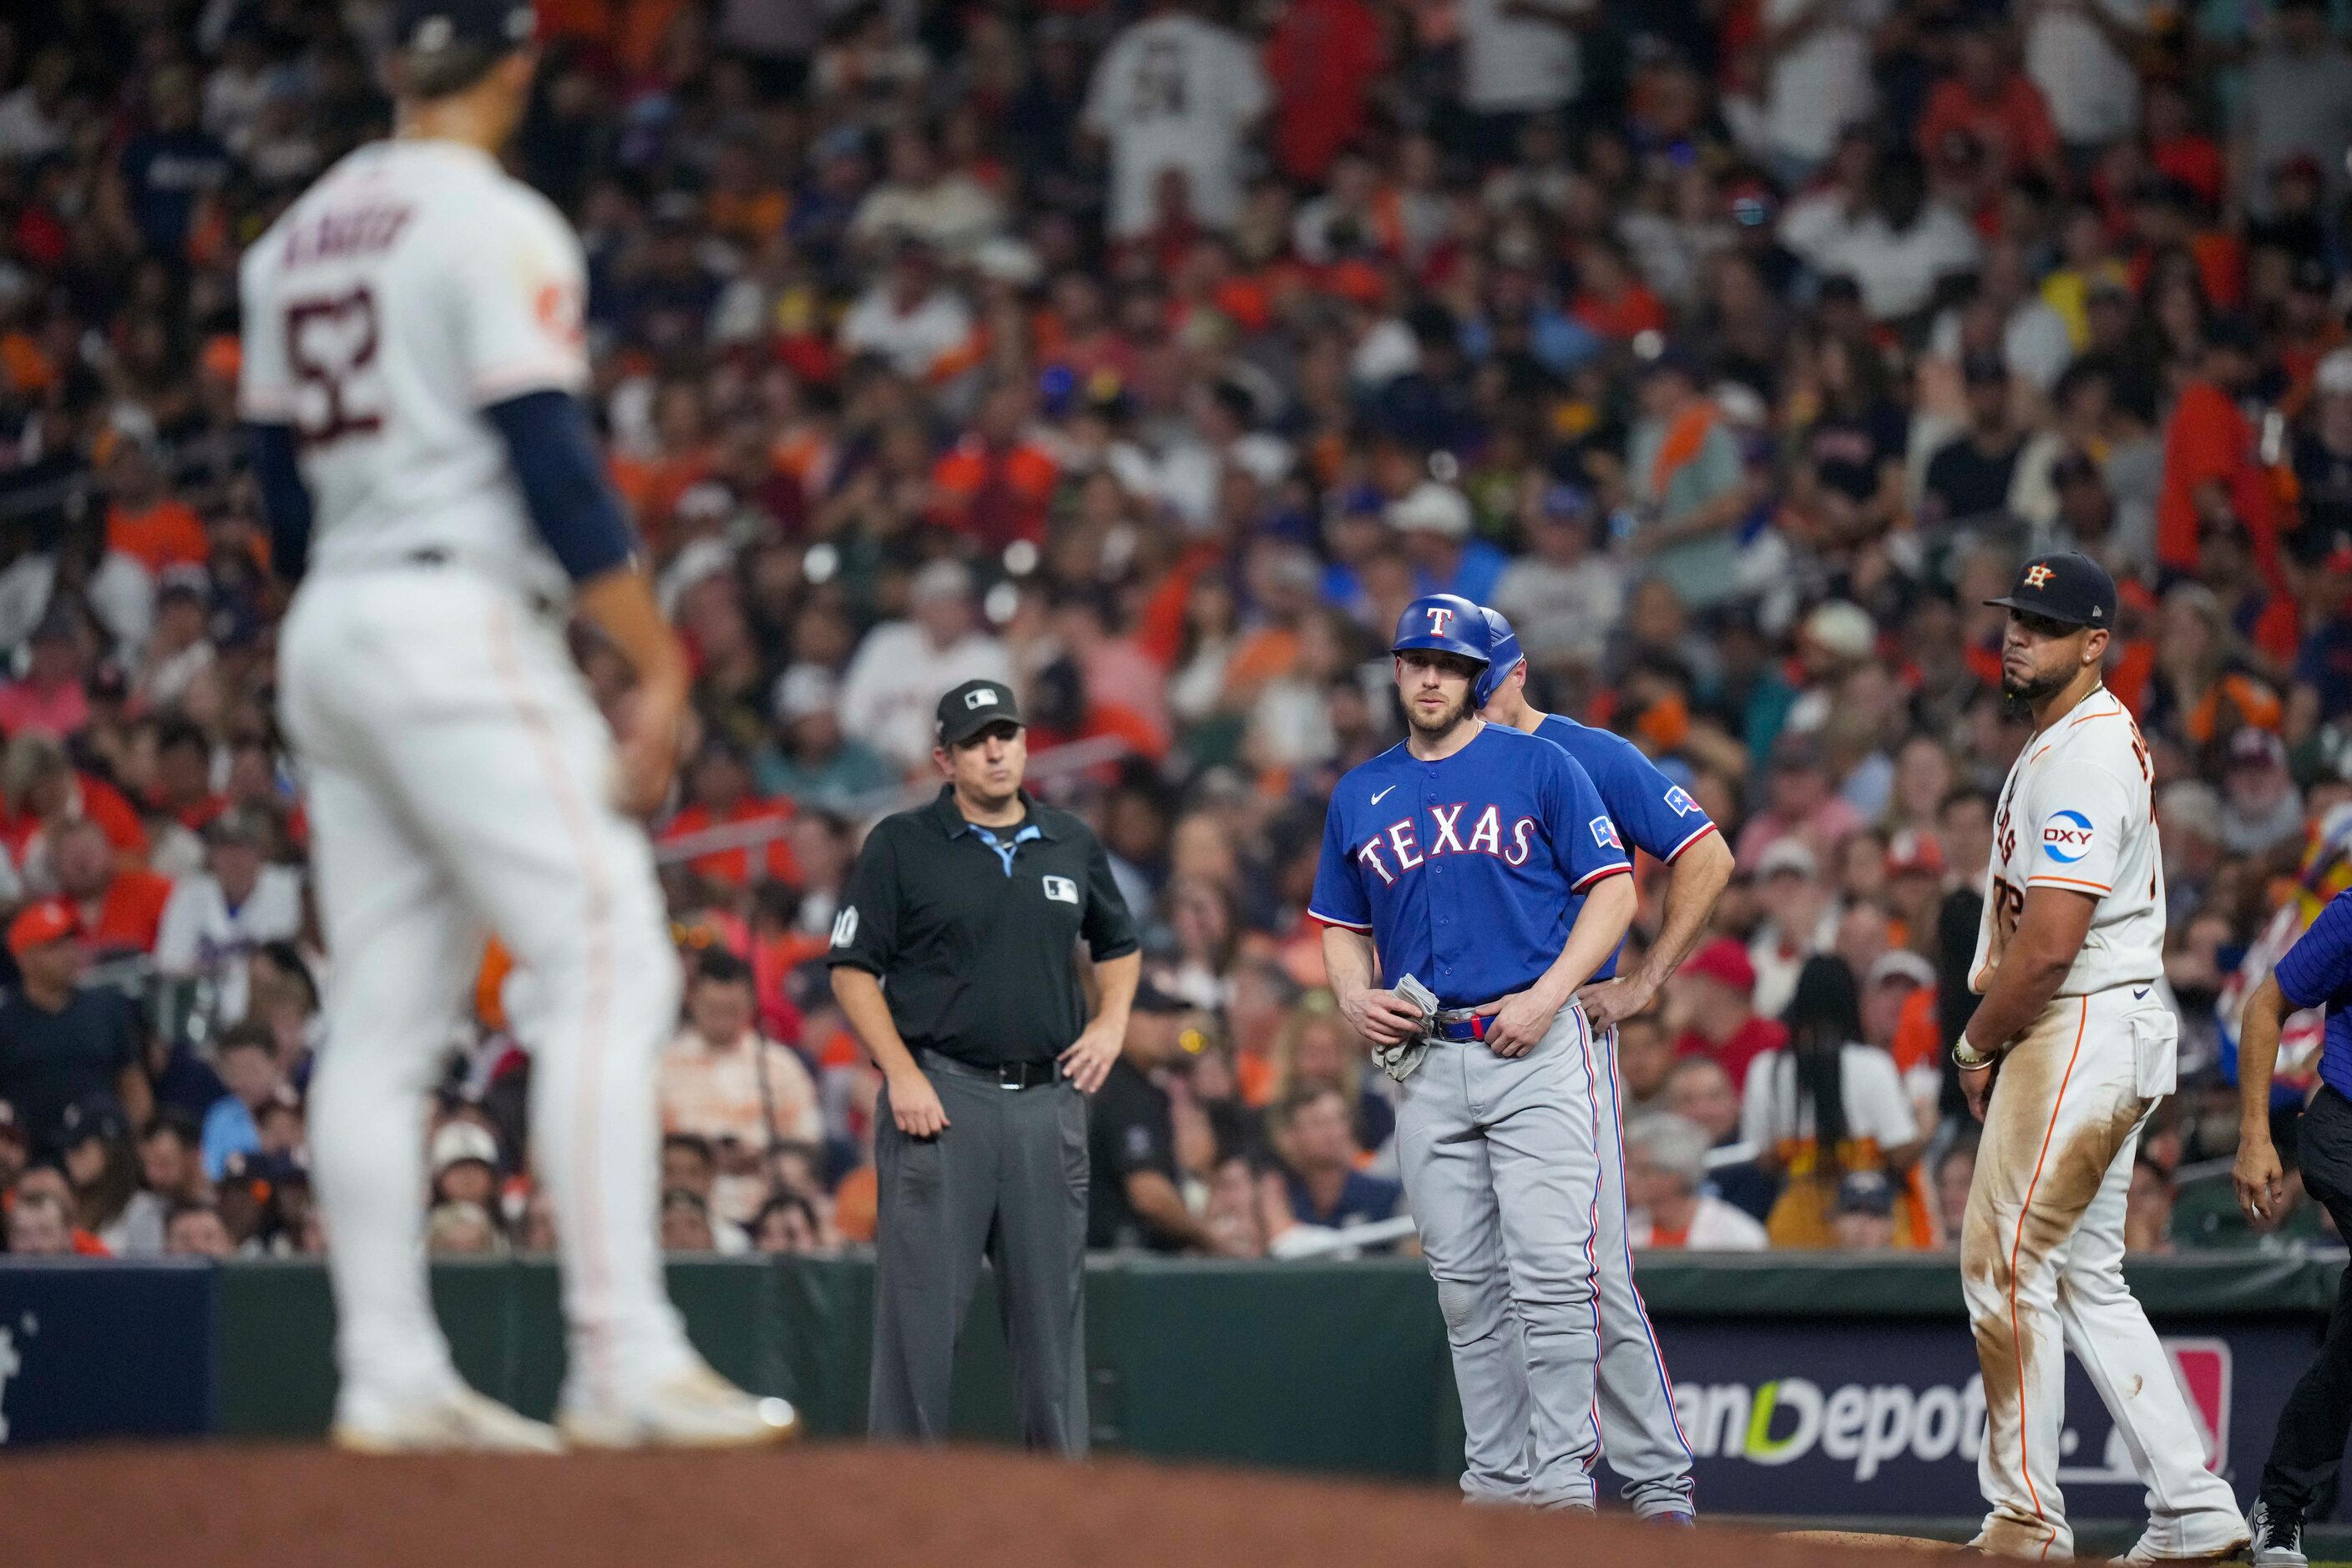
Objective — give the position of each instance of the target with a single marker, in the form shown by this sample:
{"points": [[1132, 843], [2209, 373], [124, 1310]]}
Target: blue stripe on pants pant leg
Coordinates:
{"points": [[1501, 1163], [1443, 1158], [1538, 1114], [1639, 1430]]}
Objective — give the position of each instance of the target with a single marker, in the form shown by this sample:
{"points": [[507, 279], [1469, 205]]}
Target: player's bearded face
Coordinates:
{"points": [[1435, 690], [2037, 658]]}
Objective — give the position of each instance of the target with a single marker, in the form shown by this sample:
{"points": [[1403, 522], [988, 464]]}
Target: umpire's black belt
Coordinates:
{"points": [[1004, 1075]]}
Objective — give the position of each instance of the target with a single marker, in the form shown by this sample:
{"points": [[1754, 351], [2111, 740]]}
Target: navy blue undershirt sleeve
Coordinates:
{"points": [[562, 481], [285, 500]]}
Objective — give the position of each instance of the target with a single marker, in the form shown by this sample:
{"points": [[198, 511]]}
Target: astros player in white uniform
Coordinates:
{"points": [[412, 356], [2068, 1050]]}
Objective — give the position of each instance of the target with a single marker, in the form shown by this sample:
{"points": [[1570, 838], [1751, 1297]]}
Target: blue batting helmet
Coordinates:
{"points": [[1503, 655], [1442, 623]]}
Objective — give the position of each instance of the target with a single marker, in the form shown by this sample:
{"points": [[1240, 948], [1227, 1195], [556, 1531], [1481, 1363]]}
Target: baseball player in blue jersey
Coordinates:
{"points": [[1474, 871], [2307, 1458], [1639, 1431]]}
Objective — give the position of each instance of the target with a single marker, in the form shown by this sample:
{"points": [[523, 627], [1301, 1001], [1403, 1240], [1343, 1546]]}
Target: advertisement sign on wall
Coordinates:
{"points": [[122, 1349], [1888, 1418]]}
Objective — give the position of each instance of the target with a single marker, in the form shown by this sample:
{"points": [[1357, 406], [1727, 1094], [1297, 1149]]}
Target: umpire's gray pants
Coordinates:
{"points": [[1501, 1163], [1006, 1179]]}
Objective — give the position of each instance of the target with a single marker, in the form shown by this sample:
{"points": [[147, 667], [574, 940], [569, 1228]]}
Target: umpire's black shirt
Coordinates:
{"points": [[975, 942]]}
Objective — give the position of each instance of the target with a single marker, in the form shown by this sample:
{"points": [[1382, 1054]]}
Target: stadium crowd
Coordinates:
{"points": [[1151, 358]]}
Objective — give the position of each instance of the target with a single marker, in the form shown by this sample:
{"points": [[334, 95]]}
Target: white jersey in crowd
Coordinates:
{"points": [[1175, 93], [1821, 82], [2078, 813], [1515, 62], [2092, 87], [414, 285], [201, 934]]}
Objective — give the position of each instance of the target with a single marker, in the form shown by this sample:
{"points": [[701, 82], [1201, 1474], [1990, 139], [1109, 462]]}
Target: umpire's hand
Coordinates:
{"points": [[1089, 1060], [915, 1105], [1383, 1017]]}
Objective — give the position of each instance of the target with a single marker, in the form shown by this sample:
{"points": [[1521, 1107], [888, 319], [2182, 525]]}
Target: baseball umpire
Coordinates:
{"points": [[954, 959], [2307, 1450], [2068, 1051], [1477, 868], [1639, 1430]]}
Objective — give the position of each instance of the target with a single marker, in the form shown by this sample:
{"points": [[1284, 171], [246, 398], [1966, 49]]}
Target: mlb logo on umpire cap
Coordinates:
{"points": [[979, 697], [432, 25]]}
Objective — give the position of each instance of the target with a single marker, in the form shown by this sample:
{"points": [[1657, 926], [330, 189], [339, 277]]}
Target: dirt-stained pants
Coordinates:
{"points": [[2041, 1267]]}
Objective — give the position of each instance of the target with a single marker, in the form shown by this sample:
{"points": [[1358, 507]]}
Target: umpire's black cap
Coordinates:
{"points": [[973, 706], [428, 27], [2067, 587]]}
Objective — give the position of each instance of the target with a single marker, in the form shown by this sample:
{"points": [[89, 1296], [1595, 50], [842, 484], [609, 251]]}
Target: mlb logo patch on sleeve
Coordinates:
{"points": [[1604, 833], [1679, 799], [1061, 890]]}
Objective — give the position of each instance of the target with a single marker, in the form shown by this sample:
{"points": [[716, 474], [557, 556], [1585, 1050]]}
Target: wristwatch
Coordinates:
{"points": [[1969, 1058]]}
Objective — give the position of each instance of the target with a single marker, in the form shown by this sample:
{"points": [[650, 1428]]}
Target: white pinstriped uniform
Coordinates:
{"points": [[459, 774], [2041, 1247]]}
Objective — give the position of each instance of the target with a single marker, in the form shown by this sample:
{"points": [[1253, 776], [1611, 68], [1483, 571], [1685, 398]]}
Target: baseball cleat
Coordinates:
{"points": [[2143, 1553], [695, 1409], [1673, 1518], [458, 1422], [2278, 1536]]}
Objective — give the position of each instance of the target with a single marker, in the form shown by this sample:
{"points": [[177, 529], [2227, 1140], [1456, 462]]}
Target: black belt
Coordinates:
{"points": [[432, 558], [1004, 1075]]}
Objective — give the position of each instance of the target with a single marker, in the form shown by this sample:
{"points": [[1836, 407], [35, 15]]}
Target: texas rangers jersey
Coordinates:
{"points": [[414, 285], [1652, 812], [2078, 813], [1468, 871]]}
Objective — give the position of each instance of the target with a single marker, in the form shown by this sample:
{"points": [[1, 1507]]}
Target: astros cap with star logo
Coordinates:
{"points": [[2065, 586]]}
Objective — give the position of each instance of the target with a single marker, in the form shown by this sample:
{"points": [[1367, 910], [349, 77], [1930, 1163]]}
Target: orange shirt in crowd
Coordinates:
{"points": [[127, 916], [2015, 129], [854, 1203], [167, 534], [652, 487], [94, 798], [747, 216], [2207, 441], [1631, 312], [1322, 58], [2220, 268], [734, 867], [995, 497]]}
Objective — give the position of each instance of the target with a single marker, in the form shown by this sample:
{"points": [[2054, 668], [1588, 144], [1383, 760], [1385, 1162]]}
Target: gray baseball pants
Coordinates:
{"points": [[1007, 1179], [1501, 1160]]}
